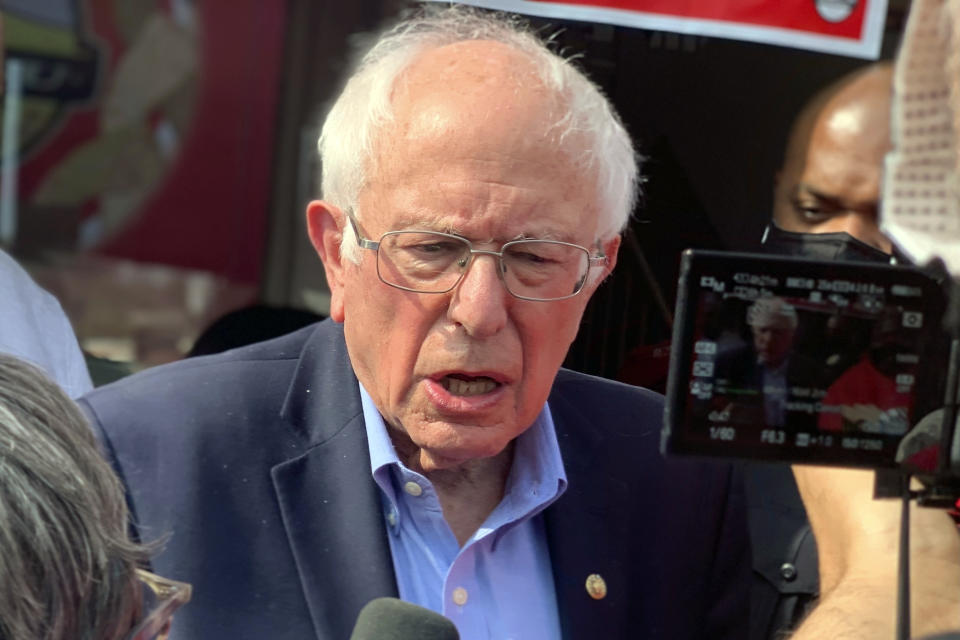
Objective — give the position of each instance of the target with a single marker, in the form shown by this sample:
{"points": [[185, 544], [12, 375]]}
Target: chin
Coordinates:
{"points": [[446, 456]]}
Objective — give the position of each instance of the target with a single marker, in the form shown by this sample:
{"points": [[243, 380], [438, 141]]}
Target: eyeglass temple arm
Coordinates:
{"points": [[363, 242], [599, 260]]}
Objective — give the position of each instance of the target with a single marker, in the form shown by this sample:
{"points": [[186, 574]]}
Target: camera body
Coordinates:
{"points": [[786, 359]]}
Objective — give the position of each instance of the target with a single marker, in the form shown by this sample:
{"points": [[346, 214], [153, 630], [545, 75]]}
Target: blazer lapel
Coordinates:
{"points": [[329, 503], [585, 535]]}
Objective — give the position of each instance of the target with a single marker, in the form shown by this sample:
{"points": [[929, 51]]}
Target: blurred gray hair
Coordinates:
{"points": [[349, 136], [772, 312], [67, 567]]}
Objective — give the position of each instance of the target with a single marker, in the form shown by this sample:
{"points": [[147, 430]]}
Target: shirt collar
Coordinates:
{"points": [[382, 454]]}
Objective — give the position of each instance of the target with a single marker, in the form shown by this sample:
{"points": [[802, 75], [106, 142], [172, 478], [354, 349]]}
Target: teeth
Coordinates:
{"points": [[468, 388]]}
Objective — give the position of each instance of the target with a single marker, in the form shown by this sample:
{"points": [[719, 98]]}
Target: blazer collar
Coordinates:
{"points": [[328, 501], [323, 396]]}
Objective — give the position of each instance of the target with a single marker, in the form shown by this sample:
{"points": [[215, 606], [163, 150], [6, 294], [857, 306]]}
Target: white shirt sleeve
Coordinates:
{"points": [[34, 328]]}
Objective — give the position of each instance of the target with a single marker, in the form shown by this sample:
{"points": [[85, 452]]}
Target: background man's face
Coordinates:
{"points": [[466, 154], [831, 176], [771, 342]]}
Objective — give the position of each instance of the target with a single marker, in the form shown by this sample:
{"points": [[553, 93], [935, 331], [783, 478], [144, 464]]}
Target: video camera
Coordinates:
{"points": [[786, 359]]}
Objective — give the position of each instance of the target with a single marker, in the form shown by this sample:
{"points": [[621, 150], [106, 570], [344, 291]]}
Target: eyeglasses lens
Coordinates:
{"points": [[435, 262]]}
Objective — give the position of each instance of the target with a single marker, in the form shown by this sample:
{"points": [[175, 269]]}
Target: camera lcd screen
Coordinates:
{"points": [[785, 359]]}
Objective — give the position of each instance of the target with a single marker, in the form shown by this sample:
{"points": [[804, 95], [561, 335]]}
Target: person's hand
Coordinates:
{"points": [[857, 541]]}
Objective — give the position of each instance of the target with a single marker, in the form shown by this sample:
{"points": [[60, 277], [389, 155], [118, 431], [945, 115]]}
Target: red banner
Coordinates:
{"points": [[844, 27]]}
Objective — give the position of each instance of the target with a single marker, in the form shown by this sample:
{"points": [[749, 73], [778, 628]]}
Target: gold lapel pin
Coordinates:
{"points": [[596, 586]]}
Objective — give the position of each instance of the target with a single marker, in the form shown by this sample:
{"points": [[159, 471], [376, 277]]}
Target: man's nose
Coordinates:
{"points": [[479, 303]]}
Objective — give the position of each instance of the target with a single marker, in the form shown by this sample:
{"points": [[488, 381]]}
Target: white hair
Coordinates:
{"points": [[772, 311], [349, 136]]}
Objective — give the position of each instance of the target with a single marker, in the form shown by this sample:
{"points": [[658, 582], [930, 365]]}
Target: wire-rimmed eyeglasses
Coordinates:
{"points": [[162, 597], [435, 262]]}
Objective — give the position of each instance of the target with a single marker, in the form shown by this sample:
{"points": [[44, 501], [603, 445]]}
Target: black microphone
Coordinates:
{"points": [[389, 618]]}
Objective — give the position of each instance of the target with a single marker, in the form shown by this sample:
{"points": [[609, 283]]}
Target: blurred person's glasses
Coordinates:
{"points": [[161, 598], [434, 262]]}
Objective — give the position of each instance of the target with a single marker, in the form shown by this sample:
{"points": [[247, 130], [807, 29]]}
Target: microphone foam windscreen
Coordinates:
{"points": [[393, 619]]}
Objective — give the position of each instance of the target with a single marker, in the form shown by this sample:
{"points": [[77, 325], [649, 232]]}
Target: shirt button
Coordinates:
{"points": [[392, 517], [460, 596], [413, 488]]}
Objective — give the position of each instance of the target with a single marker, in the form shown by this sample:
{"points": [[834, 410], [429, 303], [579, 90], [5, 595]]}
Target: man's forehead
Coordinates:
{"points": [[475, 83], [859, 130], [476, 104], [474, 139], [852, 115], [473, 63], [841, 162]]}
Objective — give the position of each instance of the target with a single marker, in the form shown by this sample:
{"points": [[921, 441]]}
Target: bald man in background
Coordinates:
{"points": [[826, 201], [830, 180]]}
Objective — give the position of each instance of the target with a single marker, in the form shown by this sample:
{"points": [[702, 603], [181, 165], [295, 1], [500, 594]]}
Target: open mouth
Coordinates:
{"points": [[458, 384]]}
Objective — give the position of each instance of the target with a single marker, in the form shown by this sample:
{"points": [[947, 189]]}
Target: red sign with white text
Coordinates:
{"points": [[845, 27]]}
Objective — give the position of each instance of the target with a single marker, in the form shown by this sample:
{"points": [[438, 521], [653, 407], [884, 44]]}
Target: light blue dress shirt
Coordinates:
{"points": [[499, 585]]}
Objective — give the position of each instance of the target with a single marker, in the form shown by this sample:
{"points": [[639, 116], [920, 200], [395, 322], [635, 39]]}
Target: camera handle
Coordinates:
{"points": [[903, 564], [891, 483]]}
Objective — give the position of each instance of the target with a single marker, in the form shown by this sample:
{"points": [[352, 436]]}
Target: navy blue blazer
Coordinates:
{"points": [[254, 465]]}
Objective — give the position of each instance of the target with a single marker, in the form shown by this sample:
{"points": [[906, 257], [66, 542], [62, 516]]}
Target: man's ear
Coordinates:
{"points": [[610, 249], [324, 224]]}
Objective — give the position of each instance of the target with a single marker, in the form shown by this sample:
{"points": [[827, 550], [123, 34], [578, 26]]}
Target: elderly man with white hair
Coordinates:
{"points": [[759, 376], [424, 442], [773, 322]]}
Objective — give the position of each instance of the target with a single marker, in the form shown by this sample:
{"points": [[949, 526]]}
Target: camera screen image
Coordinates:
{"points": [[784, 359]]}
